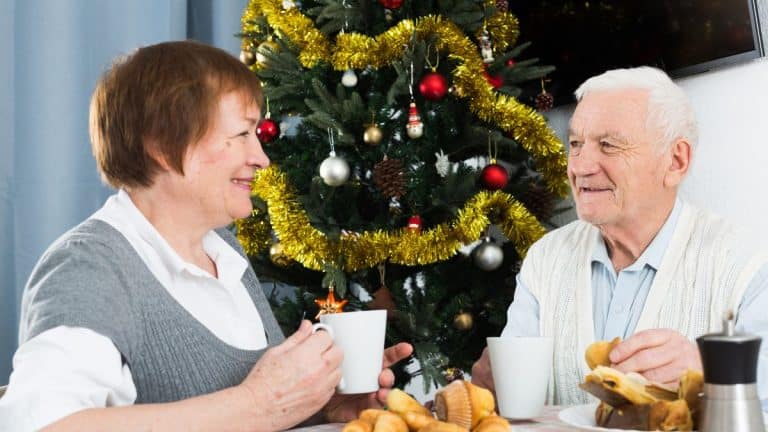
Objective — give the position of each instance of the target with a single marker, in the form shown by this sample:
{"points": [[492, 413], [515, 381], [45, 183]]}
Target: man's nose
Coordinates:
{"points": [[586, 161]]}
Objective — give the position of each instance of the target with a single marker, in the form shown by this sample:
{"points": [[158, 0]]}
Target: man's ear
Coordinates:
{"points": [[679, 162], [154, 152]]}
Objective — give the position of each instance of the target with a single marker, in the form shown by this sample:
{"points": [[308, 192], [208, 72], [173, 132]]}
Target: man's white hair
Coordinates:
{"points": [[669, 109]]}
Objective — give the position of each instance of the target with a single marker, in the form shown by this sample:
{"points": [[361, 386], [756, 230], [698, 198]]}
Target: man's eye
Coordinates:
{"points": [[606, 145]]}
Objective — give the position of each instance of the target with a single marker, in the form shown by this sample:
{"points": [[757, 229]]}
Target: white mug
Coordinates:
{"points": [[360, 335], [521, 367]]}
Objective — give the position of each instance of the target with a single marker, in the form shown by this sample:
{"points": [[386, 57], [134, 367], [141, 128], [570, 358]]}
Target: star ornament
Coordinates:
{"points": [[330, 305]]}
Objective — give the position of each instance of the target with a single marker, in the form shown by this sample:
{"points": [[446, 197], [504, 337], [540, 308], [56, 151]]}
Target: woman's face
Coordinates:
{"points": [[219, 168]]}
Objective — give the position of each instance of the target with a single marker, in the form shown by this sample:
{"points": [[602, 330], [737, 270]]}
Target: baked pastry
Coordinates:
{"points": [[598, 352], [370, 415], [358, 425], [390, 422], [440, 426], [401, 402], [492, 423], [416, 421], [659, 415], [464, 404]]}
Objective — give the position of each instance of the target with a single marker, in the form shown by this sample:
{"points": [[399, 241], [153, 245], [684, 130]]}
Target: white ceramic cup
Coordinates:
{"points": [[521, 367], [360, 335]]}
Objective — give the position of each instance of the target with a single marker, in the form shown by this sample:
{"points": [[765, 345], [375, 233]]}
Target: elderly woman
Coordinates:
{"points": [[148, 315]]}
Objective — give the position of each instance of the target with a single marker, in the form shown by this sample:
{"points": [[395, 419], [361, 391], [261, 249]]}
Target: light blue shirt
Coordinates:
{"points": [[618, 299]]}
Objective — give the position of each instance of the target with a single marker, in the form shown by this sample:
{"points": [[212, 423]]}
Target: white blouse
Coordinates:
{"points": [[67, 369]]}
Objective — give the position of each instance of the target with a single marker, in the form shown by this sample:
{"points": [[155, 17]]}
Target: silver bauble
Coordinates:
{"points": [[334, 170], [488, 256], [349, 79]]}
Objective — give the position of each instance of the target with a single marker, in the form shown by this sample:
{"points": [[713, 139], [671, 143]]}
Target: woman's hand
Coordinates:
{"points": [[343, 408], [294, 380]]}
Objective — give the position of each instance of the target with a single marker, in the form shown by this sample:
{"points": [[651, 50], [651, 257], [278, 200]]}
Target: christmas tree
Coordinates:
{"points": [[410, 169]]}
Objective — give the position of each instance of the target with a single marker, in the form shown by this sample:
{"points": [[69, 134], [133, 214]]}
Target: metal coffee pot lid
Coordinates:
{"points": [[729, 357]]}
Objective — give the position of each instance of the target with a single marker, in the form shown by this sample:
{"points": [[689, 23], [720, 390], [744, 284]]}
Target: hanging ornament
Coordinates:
{"points": [[442, 165], [414, 224], [486, 50], [349, 79], [488, 255], [278, 256], [395, 209], [267, 129], [511, 62], [388, 15], [415, 126], [372, 135], [502, 5], [330, 305], [247, 57], [433, 86], [463, 321], [544, 100], [389, 178], [494, 176], [382, 298], [391, 4], [288, 4], [334, 170], [268, 46]]}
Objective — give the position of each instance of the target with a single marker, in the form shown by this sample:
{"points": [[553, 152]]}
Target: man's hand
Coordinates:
{"points": [[343, 408], [295, 379], [481, 372], [660, 355]]}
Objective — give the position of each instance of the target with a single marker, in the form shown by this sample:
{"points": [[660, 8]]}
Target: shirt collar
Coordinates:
{"points": [[230, 265], [653, 254]]}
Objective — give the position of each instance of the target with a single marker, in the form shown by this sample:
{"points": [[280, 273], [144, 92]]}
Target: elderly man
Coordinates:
{"points": [[640, 263]]}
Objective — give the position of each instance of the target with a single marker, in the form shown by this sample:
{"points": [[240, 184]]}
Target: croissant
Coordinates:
{"points": [[416, 421], [370, 415], [464, 404], [389, 422], [358, 426], [401, 402], [598, 352], [492, 423], [440, 426]]}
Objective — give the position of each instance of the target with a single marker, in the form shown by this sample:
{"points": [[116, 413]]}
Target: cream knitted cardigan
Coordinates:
{"points": [[703, 273]]}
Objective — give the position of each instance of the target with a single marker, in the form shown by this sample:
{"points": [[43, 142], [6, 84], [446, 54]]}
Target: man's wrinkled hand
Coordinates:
{"points": [[660, 355]]}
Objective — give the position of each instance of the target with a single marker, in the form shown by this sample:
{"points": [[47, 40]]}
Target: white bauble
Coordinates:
{"points": [[334, 170], [488, 256], [349, 79]]}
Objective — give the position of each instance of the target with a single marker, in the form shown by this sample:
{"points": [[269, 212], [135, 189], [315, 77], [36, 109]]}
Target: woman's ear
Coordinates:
{"points": [[679, 162]]}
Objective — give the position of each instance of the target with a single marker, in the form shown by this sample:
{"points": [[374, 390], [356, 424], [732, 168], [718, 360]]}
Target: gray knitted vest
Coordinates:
{"points": [[92, 277]]}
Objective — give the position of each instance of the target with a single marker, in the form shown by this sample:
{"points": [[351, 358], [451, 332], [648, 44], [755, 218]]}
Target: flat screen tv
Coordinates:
{"points": [[683, 37]]}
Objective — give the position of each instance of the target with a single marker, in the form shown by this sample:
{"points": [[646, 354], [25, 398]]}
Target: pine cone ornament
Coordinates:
{"points": [[544, 101], [502, 5], [539, 201], [389, 177]]}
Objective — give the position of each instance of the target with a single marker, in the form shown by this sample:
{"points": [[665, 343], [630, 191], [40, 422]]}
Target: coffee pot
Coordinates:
{"points": [[730, 400]]}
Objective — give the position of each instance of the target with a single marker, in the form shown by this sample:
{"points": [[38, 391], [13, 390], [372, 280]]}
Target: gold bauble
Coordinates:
{"points": [[266, 46], [278, 256], [372, 135], [247, 57], [463, 321]]}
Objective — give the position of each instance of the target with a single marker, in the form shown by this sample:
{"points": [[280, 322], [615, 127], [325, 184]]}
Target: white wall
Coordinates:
{"points": [[729, 175]]}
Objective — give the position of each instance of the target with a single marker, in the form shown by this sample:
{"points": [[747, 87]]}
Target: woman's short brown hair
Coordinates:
{"points": [[155, 103]]}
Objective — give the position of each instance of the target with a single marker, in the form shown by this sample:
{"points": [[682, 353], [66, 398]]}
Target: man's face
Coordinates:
{"points": [[614, 168]]}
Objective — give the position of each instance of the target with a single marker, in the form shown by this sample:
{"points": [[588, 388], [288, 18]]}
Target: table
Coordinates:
{"points": [[546, 422]]}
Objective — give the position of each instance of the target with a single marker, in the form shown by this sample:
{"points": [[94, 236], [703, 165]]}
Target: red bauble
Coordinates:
{"points": [[511, 62], [494, 177], [267, 130], [414, 223], [391, 4], [433, 86], [496, 81]]}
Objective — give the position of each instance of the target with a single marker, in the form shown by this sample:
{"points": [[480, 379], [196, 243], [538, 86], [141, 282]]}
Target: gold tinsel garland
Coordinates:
{"points": [[357, 51], [312, 248]]}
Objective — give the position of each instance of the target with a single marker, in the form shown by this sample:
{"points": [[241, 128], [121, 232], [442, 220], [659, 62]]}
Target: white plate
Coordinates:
{"points": [[583, 416]]}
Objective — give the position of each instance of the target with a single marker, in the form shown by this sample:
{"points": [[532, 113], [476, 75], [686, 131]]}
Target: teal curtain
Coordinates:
{"points": [[52, 52]]}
